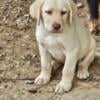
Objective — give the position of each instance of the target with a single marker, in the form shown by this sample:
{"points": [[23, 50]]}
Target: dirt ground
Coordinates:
{"points": [[20, 61]]}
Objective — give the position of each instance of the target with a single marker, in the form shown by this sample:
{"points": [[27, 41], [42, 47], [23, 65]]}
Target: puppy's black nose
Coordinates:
{"points": [[56, 26]]}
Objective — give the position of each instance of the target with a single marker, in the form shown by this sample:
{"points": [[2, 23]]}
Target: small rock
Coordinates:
{"points": [[17, 76], [34, 56], [29, 82]]}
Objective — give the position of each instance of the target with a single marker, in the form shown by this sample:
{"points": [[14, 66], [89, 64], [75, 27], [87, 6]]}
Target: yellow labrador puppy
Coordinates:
{"points": [[61, 37]]}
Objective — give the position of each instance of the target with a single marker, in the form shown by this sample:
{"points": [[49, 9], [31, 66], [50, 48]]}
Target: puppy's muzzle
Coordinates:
{"points": [[56, 27]]}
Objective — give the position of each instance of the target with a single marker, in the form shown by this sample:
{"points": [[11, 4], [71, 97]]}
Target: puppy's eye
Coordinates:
{"points": [[49, 12], [63, 12]]}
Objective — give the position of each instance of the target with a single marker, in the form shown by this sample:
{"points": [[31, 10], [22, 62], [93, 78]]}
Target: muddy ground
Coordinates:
{"points": [[20, 61]]}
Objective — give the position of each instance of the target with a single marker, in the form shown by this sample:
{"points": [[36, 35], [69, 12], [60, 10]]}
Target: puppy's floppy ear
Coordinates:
{"points": [[35, 10], [72, 10]]}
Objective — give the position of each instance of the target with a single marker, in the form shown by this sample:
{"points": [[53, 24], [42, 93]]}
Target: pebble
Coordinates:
{"points": [[29, 82]]}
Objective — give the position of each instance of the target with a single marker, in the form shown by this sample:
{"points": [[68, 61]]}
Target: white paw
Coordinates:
{"points": [[40, 80], [83, 74], [63, 87]]}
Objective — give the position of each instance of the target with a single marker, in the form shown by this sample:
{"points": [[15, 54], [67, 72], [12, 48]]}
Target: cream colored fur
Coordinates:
{"points": [[71, 44]]}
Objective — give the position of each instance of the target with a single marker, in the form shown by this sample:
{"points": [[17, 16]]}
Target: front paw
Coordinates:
{"points": [[83, 74], [63, 87], [42, 79]]}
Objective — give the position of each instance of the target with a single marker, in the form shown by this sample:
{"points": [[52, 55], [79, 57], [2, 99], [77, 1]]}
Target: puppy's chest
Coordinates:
{"points": [[55, 48]]}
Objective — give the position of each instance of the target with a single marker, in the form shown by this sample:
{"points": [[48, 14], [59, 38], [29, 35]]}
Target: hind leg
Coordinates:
{"points": [[85, 63]]}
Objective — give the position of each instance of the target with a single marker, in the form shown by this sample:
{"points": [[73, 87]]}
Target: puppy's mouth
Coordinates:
{"points": [[55, 31]]}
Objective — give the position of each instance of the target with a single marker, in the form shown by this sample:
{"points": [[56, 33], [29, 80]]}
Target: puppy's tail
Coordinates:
{"points": [[97, 54]]}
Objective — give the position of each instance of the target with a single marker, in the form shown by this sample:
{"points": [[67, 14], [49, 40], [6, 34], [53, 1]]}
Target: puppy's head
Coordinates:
{"points": [[54, 14]]}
